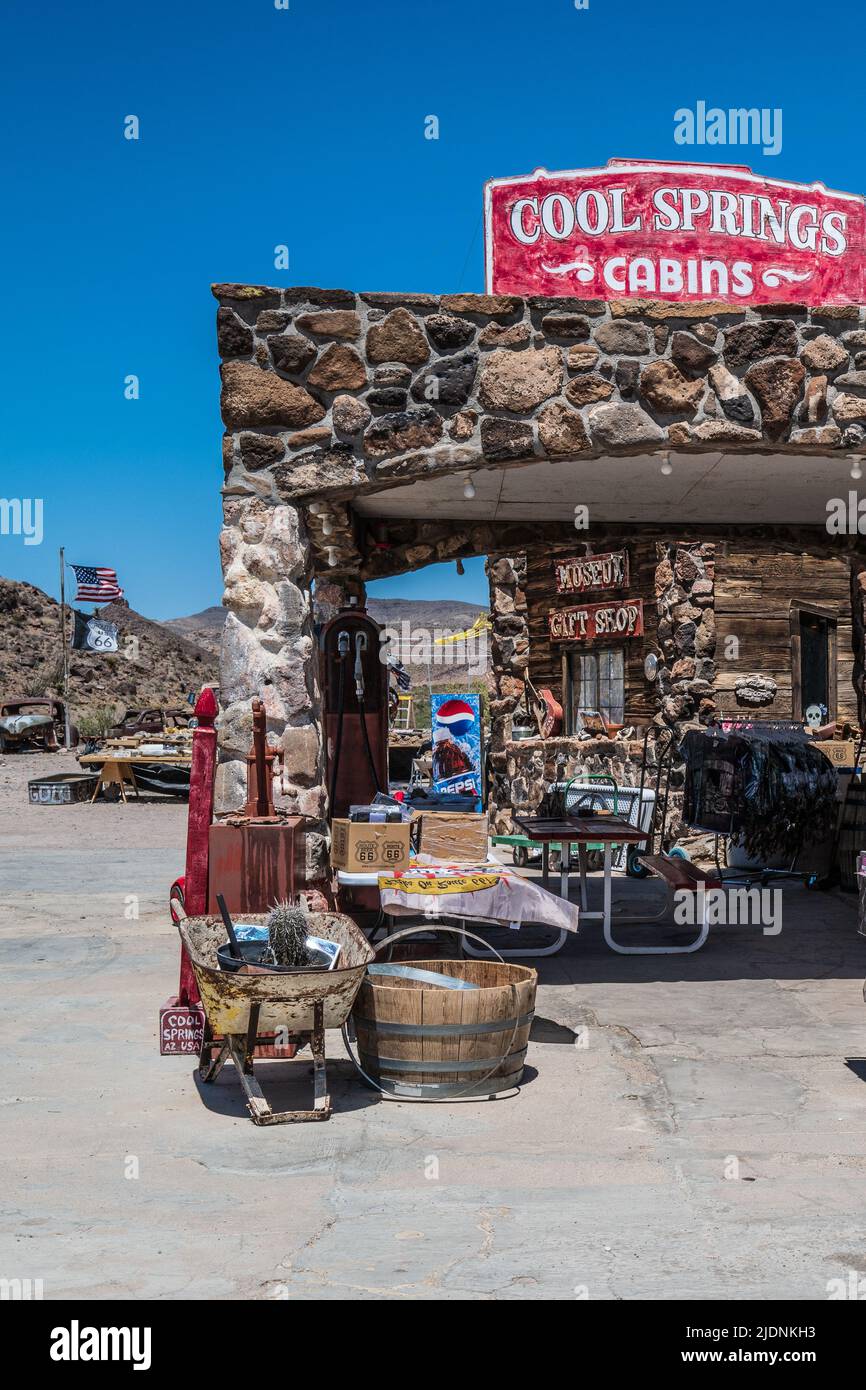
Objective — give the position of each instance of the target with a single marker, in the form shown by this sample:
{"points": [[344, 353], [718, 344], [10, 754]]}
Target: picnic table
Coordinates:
{"points": [[584, 830]]}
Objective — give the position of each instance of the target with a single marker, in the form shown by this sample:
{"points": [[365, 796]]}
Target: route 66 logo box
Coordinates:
{"points": [[366, 847]]}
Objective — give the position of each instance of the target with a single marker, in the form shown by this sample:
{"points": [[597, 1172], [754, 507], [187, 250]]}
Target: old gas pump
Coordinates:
{"points": [[256, 856], [354, 677]]}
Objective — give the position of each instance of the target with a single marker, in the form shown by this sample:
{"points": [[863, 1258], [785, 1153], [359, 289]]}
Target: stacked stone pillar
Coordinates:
{"points": [[685, 591], [269, 651], [509, 657]]}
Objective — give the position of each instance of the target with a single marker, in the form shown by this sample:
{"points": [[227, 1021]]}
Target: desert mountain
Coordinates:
{"points": [[204, 629], [160, 662], [155, 665], [415, 624]]}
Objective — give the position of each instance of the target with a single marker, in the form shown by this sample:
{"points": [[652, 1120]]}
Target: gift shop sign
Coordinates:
{"points": [[673, 231], [609, 571], [596, 620]]}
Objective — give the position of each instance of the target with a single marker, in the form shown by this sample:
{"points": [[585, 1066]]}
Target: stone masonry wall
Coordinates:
{"points": [[269, 651], [328, 395], [509, 643], [686, 631], [520, 771]]}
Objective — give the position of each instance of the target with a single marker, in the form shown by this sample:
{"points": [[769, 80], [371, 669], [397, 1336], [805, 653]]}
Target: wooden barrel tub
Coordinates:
{"points": [[438, 1043]]}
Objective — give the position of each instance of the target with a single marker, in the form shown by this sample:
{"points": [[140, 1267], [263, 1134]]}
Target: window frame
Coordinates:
{"points": [[570, 658], [831, 617]]}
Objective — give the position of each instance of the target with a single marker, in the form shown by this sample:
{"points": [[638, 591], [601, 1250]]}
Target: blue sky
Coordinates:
{"points": [[306, 127]]}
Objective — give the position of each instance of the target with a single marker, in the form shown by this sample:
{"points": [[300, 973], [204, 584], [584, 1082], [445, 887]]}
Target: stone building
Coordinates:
{"points": [[708, 447]]}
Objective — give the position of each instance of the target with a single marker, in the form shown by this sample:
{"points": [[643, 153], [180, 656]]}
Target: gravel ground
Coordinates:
{"points": [[689, 1127]]}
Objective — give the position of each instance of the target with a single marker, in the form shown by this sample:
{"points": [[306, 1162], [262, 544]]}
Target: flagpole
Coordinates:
{"points": [[66, 730]]}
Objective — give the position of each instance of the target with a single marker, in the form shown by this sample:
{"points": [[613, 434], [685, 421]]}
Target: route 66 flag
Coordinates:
{"points": [[94, 634]]}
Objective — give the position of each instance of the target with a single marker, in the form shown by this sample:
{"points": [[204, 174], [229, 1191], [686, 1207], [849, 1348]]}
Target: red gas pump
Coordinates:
{"points": [[354, 678]]}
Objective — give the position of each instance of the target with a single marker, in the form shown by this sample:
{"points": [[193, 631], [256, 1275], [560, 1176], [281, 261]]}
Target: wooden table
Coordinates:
{"points": [[115, 766], [133, 755], [115, 772], [582, 831]]}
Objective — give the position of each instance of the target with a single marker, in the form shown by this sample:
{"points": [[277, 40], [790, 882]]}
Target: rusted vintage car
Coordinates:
{"points": [[34, 721], [152, 721]]}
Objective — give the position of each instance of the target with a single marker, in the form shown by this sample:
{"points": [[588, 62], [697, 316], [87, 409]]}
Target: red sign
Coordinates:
{"points": [[609, 571], [596, 620], [674, 231], [181, 1029]]}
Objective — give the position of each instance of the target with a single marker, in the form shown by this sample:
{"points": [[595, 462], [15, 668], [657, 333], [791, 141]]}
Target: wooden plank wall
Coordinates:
{"points": [[756, 582], [545, 657]]}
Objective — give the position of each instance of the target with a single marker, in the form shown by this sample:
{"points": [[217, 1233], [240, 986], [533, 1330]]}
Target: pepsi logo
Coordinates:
{"points": [[456, 716]]}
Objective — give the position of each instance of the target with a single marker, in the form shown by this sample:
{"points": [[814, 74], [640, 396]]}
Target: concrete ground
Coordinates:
{"points": [[689, 1127]]}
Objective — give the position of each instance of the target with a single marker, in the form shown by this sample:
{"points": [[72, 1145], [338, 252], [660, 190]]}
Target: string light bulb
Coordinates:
{"points": [[468, 489], [856, 466], [667, 466], [327, 526]]}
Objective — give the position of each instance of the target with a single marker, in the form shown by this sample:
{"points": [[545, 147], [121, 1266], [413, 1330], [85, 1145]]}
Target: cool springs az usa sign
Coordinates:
{"points": [[673, 231]]}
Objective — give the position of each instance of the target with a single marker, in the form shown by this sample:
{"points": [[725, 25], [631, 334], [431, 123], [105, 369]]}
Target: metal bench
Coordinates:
{"points": [[680, 876]]}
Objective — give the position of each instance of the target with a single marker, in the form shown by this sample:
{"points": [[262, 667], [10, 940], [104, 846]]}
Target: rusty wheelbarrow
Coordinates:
{"points": [[239, 1006]]}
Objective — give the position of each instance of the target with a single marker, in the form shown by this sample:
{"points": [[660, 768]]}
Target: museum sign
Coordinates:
{"points": [[608, 571]]}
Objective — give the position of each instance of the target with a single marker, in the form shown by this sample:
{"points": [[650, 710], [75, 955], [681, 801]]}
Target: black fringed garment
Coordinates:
{"points": [[770, 787]]}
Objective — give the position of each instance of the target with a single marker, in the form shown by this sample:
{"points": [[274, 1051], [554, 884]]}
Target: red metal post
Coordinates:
{"points": [[201, 792]]}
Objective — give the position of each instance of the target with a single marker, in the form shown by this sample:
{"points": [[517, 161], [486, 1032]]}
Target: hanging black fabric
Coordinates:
{"points": [[93, 634], [771, 787], [713, 796]]}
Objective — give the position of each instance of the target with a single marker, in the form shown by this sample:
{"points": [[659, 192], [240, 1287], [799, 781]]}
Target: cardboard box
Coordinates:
{"points": [[841, 752], [451, 837], [366, 847]]}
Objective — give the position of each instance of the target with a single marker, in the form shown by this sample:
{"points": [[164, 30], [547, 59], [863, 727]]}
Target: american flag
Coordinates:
{"points": [[96, 584]]}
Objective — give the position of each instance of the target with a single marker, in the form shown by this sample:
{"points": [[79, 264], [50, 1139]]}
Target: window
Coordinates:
{"points": [[813, 659], [594, 680]]}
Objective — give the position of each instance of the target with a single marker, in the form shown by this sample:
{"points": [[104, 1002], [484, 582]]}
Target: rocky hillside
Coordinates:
{"points": [[451, 615], [154, 665], [205, 629], [416, 623]]}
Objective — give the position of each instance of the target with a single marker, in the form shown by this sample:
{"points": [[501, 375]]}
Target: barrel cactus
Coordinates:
{"points": [[288, 928]]}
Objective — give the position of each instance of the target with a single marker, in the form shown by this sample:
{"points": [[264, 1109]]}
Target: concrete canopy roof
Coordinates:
{"points": [[704, 488], [342, 405]]}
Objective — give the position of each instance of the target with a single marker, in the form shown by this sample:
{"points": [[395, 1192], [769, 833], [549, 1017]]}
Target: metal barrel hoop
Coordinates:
{"points": [[455, 1095]]}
